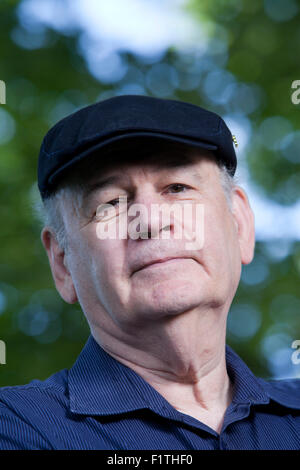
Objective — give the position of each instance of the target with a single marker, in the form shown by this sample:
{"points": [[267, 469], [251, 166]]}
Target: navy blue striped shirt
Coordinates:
{"points": [[102, 404]]}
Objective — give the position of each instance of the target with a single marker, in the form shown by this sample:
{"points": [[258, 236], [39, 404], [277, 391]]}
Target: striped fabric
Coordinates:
{"points": [[102, 404]]}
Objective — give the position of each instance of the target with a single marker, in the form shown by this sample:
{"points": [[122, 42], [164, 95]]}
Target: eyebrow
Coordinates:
{"points": [[101, 184]]}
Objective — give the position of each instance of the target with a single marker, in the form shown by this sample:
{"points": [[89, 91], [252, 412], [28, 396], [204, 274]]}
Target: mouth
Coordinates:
{"points": [[159, 262]]}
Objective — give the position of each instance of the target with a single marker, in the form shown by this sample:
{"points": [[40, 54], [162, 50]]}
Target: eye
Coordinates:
{"points": [[105, 210], [121, 199], [114, 202], [178, 187]]}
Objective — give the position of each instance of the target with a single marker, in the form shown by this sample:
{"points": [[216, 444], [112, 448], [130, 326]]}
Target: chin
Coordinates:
{"points": [[168, 298]]}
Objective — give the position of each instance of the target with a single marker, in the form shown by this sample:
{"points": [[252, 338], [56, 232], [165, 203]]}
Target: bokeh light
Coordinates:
{"points": [[273, 130], [277, 351], [162, 80], [7, 126], [243, 322], [3, 302], [257, 272], [217, 86], [290, 147], [41, 317], [281, 10]]}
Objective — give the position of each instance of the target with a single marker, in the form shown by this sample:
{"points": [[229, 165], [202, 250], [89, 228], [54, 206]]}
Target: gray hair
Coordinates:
{"points": [[228, 182], [50, 213]]}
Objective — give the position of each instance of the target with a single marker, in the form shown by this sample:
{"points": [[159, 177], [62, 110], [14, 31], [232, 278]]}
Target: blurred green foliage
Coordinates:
{"points": [[44, 83], [263, 52]]}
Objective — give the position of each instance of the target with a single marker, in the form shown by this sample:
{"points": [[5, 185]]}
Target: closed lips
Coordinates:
{"points": [[161, 260]]}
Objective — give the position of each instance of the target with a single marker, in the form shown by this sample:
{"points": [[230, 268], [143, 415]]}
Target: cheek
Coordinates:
{"points": [[107, 273], [220, 241], [96, 269], [104, 259], [80, 261]]}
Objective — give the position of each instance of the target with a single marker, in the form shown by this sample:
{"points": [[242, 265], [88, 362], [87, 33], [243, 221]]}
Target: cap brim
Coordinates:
{"points": [[128, 135]]}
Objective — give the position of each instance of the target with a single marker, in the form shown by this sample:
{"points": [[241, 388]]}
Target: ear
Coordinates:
{"points": [[57, 259], [244, 221]]}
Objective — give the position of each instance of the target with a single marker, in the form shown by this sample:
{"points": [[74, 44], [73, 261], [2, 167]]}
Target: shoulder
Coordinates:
{"points": [[25, 410], [53, 386], [284, 391]]}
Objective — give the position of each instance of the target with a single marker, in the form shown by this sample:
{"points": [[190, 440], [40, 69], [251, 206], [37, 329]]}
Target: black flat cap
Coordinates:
{"points": [[129, 116]]}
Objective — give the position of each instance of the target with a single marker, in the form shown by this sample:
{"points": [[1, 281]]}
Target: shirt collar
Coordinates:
{"points": [[249, 388], [101, 385]]}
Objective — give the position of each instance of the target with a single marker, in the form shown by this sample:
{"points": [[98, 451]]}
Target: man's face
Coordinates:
{"points": [[109, 275]]}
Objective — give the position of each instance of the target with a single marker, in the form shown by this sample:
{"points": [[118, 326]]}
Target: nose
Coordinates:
{"points": [[148, 215]]}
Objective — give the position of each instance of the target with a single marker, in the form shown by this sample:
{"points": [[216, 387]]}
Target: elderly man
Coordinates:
{"points": [[156, 289]]}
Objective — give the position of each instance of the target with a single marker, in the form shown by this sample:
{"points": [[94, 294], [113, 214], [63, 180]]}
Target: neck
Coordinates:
{"points": [[182, 357]]}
